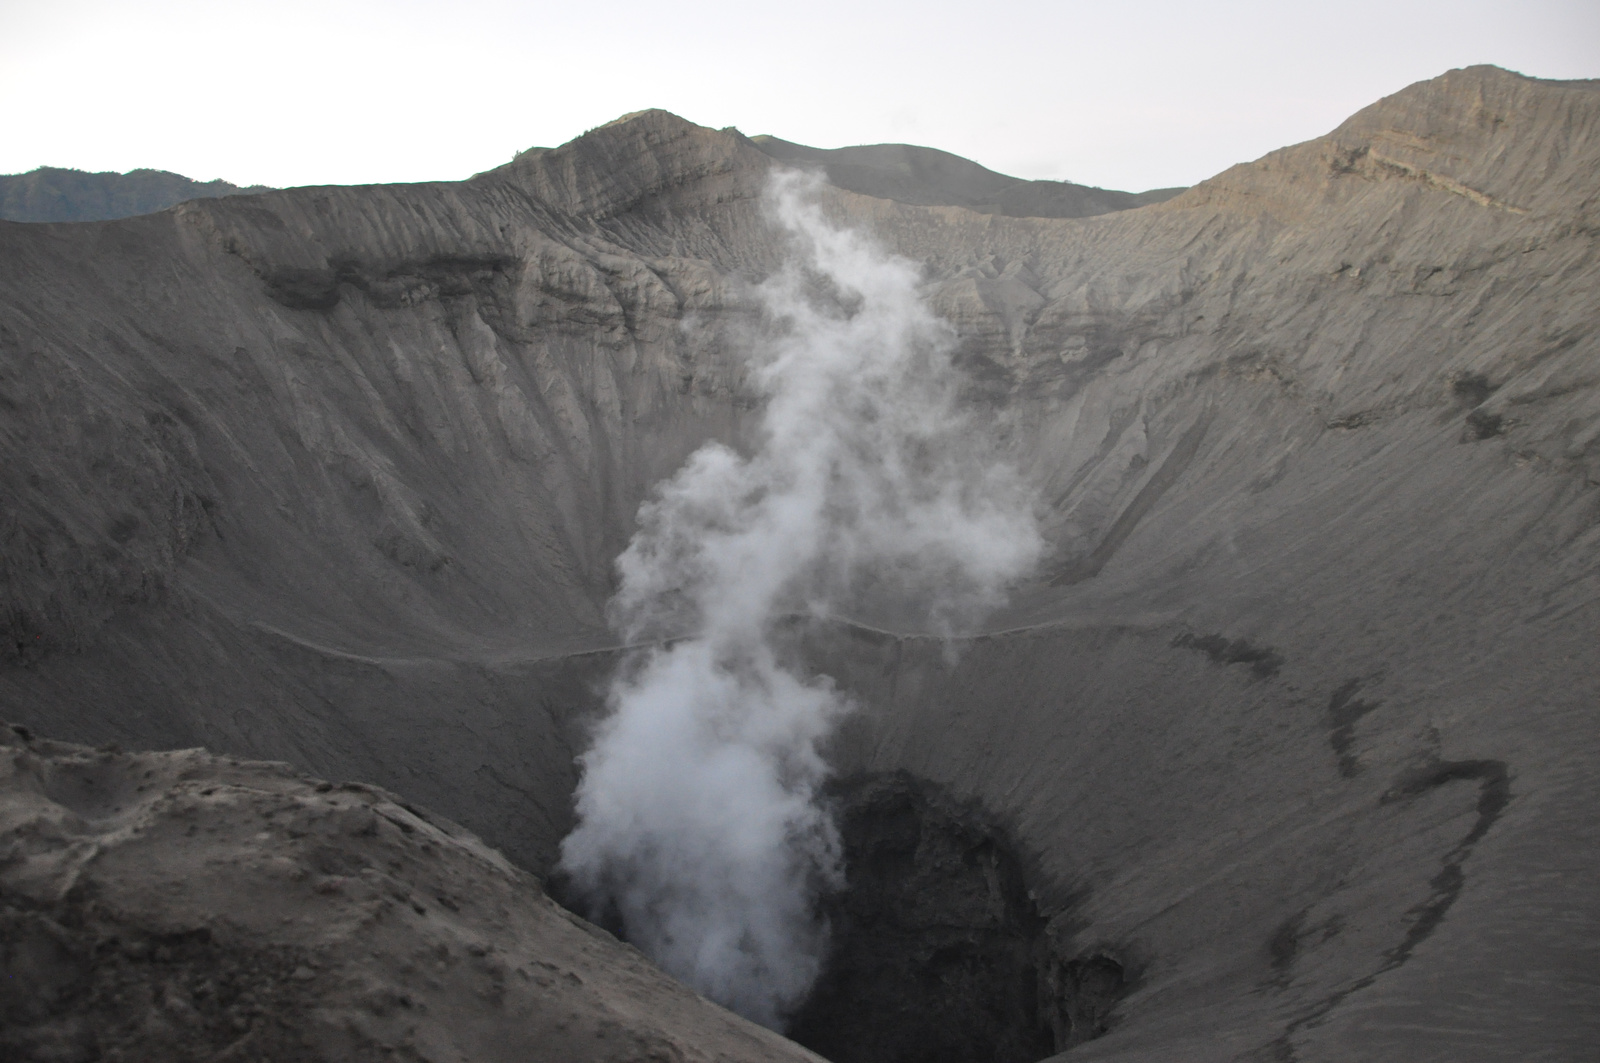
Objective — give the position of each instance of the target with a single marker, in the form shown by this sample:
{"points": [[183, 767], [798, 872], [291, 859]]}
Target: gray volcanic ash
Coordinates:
{"points": [[1286, 752]]}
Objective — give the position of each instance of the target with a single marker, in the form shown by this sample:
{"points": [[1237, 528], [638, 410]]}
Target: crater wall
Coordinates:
{"points": [[1299, 717]]}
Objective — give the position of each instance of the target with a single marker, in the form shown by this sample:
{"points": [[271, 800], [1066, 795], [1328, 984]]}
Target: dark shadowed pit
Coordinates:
{"points": [[939, 950]]}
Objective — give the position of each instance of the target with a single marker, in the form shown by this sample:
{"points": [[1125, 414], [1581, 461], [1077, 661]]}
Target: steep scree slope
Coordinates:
{"points": [[1299, 723]]}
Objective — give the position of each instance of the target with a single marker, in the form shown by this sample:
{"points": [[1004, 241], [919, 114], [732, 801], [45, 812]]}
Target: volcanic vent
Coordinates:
{"points": [[338, 476], [939, 949]]}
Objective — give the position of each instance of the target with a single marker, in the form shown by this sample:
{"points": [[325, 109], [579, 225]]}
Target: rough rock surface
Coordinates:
{"points": [[180, 906], [1299, 722]]}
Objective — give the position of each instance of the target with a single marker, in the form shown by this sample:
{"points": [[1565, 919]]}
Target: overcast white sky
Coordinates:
{"points": [[1122, 95]]}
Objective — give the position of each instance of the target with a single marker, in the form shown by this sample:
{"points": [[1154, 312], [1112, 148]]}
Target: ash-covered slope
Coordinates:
{"points": [[179, 906], [1298, 724]]}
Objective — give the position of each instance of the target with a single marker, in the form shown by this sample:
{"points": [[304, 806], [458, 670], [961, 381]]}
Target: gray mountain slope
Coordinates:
{"points": [[51, 193], [1298, 723]]}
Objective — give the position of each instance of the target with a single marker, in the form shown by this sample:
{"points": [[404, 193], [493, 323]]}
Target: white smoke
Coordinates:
{"points": [[868, 493]]}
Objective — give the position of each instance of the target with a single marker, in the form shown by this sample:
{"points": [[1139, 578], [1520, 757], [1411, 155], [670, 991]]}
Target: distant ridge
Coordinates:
{"points": [[51, 193], [901, 172], [932, 178]]}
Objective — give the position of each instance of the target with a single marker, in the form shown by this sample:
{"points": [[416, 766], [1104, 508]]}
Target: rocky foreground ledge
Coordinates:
{"points": [[182, 906]]}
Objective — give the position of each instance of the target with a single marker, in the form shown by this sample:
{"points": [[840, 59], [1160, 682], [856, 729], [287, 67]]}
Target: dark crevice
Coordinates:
{"points": [[939, 950], [1284, 947], [1472, 389], [1481, 424], [1264, 661], [1344, 712], [1494, 794]]}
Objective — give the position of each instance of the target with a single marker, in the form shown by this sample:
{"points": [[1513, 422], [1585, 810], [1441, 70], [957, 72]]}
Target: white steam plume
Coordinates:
{"points": [[868, 492]]}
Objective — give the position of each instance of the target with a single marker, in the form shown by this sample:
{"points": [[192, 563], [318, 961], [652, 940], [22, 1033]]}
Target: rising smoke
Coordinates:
{"points": [[868, 494]]}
